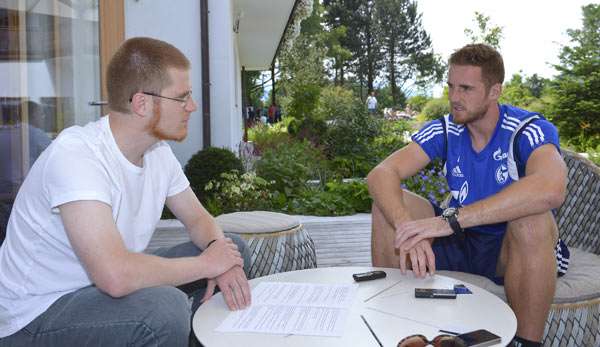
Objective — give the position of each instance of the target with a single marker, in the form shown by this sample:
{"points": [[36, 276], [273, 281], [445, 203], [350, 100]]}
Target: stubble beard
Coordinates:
{"points": [[159, 133], [471, 116]]}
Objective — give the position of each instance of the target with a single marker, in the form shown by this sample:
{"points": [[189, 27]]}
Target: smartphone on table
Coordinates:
{"points": [[480, 338], [368, 276], [432, 293]]}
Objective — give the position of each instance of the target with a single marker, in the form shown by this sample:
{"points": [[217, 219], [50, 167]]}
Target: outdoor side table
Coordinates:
{"points": [[389, 305], [277, 242]]}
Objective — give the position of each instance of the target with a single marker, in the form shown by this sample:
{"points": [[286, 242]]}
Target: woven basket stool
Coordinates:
{"points": [[277, 242], [574, 318]]}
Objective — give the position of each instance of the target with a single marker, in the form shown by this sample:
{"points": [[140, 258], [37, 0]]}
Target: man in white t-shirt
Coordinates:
{"points": [[72, 271], [372, 103]]}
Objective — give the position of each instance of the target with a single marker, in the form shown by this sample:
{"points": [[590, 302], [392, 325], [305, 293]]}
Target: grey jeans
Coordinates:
{"points": [[157, 316]]}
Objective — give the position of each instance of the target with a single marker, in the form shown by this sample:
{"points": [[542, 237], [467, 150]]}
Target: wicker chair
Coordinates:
{"points": [[574, 318], [578, 221]]}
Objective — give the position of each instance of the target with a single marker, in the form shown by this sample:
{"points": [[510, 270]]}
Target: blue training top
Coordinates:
{"points": [[475, 176]]}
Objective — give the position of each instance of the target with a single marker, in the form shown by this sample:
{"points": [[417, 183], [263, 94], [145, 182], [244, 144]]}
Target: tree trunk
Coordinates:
{"points": [[273, 83], [393, 86]]}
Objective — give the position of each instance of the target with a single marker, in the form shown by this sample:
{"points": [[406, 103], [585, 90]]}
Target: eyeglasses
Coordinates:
{"points": [[184, 100], [438, 341]]}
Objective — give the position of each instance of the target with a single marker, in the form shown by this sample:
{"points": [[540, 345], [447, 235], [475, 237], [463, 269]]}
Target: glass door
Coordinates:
{"points": [[49, 71]]}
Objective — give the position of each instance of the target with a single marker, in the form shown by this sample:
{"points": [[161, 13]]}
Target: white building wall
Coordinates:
{"points": [[178, 24], [226, 119]]}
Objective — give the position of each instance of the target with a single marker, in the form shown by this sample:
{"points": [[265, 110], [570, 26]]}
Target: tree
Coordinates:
{"points": [[530, 93], [338, 53], [360, 39], [577, 87], [536, 85], [490, 35], [302, 75], [515, 92], [417, 102], [406, 46], [254, 87]]}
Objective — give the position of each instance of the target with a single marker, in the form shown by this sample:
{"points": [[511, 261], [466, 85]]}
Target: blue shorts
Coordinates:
{"points": [[479, 251]]}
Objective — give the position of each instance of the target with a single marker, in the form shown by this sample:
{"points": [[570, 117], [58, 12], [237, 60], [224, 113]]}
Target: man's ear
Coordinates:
{"points": [[139, 106], [496, 91]]}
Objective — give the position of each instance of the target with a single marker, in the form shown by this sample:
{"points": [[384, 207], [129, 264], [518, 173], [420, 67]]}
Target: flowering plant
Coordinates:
{"points": [[430, 183], [234, 192]]}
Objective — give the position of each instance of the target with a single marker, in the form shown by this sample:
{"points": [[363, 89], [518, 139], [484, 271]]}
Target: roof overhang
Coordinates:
{"points": [[260, 26]]}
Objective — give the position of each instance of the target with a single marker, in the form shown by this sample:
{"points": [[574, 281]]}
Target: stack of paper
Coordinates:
{"points": [[294, 308]]}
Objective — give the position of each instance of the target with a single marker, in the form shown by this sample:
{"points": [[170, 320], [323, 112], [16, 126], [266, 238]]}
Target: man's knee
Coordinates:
{"points": [[532, 233], [167, 319], [243, 248]]}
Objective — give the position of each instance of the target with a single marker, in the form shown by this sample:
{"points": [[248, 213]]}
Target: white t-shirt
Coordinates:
{"points": [[37, 263], [371, 102]]}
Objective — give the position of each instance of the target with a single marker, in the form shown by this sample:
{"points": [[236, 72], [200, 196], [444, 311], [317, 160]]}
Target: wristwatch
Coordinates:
{"points": [[450, 215]]}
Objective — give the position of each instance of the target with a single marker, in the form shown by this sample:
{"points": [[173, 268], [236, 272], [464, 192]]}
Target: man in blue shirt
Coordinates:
{"points": [[505, 173]]}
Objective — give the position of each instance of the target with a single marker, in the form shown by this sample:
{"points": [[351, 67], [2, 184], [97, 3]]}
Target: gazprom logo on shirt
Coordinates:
{"points": [[501, 174], [498, 155]]}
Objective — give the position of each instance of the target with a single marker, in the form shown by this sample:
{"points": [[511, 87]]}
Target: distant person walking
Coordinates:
{"points": [[372, 103], [271, 113], [274, 113]]}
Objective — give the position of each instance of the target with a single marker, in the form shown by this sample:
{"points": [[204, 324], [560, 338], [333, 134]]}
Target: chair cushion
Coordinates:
{"points": [[581, 283], [255, 222]]}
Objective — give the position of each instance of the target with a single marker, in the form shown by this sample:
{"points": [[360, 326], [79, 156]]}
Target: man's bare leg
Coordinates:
{"points": [[383, 253], [528, 262]]}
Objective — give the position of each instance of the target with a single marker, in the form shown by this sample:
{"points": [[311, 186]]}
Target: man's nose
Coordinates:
{"points": [[192, 105], [452, 96]]}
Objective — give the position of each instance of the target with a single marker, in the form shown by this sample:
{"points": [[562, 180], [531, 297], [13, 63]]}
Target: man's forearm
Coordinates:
{"points": [[386, 191], [528, 196], [204, 230], [134, 271]]}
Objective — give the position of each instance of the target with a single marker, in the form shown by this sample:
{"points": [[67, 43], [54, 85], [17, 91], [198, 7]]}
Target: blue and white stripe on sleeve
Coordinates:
{"points": [[432, 139], [534, 135]]}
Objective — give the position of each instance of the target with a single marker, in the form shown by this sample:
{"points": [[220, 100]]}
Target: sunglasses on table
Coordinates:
{"points": [[438, 341]]}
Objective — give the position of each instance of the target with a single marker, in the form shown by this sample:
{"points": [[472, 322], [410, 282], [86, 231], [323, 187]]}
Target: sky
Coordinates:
{"points": [[533, 30]]}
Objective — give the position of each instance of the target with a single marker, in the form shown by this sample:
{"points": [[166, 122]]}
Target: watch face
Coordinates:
{"points": [[450, 211]]}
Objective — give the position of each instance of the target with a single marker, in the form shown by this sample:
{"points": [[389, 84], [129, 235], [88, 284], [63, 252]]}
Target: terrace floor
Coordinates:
{"points": [[339, 241]]}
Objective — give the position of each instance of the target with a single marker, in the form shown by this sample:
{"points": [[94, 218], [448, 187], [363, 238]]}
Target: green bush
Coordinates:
{"points": [[355, 193], [435, 108], [268, 136], [305, 98], [233, 192], [391, 139], [335, 101], [208, 164], [290, 166], [337, 199], [350, 135], [417, 102], [317, 202], [356, 165], [312, 129]]}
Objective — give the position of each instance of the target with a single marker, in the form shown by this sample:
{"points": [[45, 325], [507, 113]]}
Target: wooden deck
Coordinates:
{"points": [[339, 241]]}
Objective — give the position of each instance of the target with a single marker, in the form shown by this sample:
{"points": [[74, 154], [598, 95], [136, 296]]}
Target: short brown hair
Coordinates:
{"points": [[483, 56], [140, 64]]}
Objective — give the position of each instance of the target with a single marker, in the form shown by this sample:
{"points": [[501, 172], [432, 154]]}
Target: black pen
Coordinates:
{"points": [[371, 330], [448, 332]]}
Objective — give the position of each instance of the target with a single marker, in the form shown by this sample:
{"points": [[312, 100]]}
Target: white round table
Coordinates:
{"points": [[393, 314]]}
